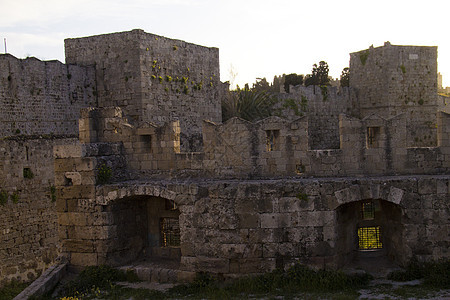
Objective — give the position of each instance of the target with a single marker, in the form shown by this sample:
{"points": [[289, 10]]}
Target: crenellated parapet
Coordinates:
{"points": [[273, 147]]}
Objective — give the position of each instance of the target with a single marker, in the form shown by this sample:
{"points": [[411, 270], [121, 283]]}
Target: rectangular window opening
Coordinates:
{"points": [[170, 232], [146, 141], [368, 210], [373, 135], [369, 238], [271, 136]]}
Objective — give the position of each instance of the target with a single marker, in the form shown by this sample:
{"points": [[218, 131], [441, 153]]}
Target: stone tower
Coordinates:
{"points": [[392, 80], [153, 79]]}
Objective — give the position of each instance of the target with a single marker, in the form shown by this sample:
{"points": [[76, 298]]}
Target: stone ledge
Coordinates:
{"points": [[47, 281]]}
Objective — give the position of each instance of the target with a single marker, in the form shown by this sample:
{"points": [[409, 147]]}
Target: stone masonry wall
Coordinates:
{"points": [[245, 227], [390, 80], [322, 106], [28, 227], [42, 97], [154, 79]]}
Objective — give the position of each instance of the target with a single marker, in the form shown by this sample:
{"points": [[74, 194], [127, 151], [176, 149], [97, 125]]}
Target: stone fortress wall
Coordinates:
{"points": [[41, 103], [43, 97], [29, 241], [150, 112]]}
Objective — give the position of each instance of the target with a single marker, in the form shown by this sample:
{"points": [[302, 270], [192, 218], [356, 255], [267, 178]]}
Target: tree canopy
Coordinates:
{"points": [[345, 77], [292, 79], [319, 75]]}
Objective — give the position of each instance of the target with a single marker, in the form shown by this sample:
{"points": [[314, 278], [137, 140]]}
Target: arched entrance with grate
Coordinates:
{"points": [[369, 232], [143, 227]]}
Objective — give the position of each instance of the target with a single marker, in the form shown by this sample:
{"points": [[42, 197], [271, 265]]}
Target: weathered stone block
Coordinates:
{"points": [[427, 186], [80, 246], [68, 151], [248, 220], [83, 259], [213, 265]]}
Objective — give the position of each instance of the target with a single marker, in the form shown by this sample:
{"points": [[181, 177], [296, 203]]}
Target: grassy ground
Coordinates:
{"points": [[12, 289], [298, 282]]}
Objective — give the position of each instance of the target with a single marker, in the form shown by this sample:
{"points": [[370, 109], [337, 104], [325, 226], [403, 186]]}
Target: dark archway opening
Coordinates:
{"points": [[146, 228], [370, 234]]}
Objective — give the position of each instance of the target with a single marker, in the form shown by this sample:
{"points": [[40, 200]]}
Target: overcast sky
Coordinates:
{"points": [[256, 38]]}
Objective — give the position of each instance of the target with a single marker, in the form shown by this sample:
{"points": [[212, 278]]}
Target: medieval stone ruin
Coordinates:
{"points": [[120, 155]]}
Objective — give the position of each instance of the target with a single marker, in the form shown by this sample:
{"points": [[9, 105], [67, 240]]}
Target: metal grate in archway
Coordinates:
{"points": [[170, 232], [369, 238]]}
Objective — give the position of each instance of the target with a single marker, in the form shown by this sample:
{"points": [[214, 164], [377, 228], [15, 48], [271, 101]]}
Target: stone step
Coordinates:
{"points": [[159, 272]]}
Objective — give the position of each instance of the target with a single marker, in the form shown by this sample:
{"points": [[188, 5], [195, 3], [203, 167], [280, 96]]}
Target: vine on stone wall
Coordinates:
{"points": [[53, 193], [15, 197], [363, 56], [324, 90]]}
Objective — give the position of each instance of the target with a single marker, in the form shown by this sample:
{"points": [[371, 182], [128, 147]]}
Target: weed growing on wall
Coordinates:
{"points": [[104, 174], [53, 193], [302, 196], [3, 198], [27, 173], [324, 90], [291, 104], [15, 198], [402, 67], [304, 103]]}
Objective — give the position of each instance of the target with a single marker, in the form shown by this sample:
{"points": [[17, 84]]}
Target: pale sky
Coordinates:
{"points": [[256, 38]]}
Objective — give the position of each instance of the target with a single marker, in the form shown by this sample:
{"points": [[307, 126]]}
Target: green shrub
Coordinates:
{"points": [[95, 278], [436, 274]]}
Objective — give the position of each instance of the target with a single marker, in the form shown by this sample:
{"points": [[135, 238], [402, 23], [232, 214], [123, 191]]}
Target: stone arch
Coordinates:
{"points": [[384, 227], [359, 192], [141, 215]]}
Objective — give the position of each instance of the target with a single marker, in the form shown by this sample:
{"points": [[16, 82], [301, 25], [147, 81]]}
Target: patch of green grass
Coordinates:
{"points": [[96, 280], [12, 289], [435, 274]]}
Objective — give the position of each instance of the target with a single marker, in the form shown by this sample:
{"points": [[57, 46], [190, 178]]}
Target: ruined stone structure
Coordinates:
{"points": [[154, 174]]}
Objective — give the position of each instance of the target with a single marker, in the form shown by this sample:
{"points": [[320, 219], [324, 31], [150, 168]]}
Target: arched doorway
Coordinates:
{"points": [[369, 231], [146, 228]]}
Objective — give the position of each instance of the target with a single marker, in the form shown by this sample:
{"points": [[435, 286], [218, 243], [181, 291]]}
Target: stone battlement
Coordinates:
{"points": [[272, 147]]}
